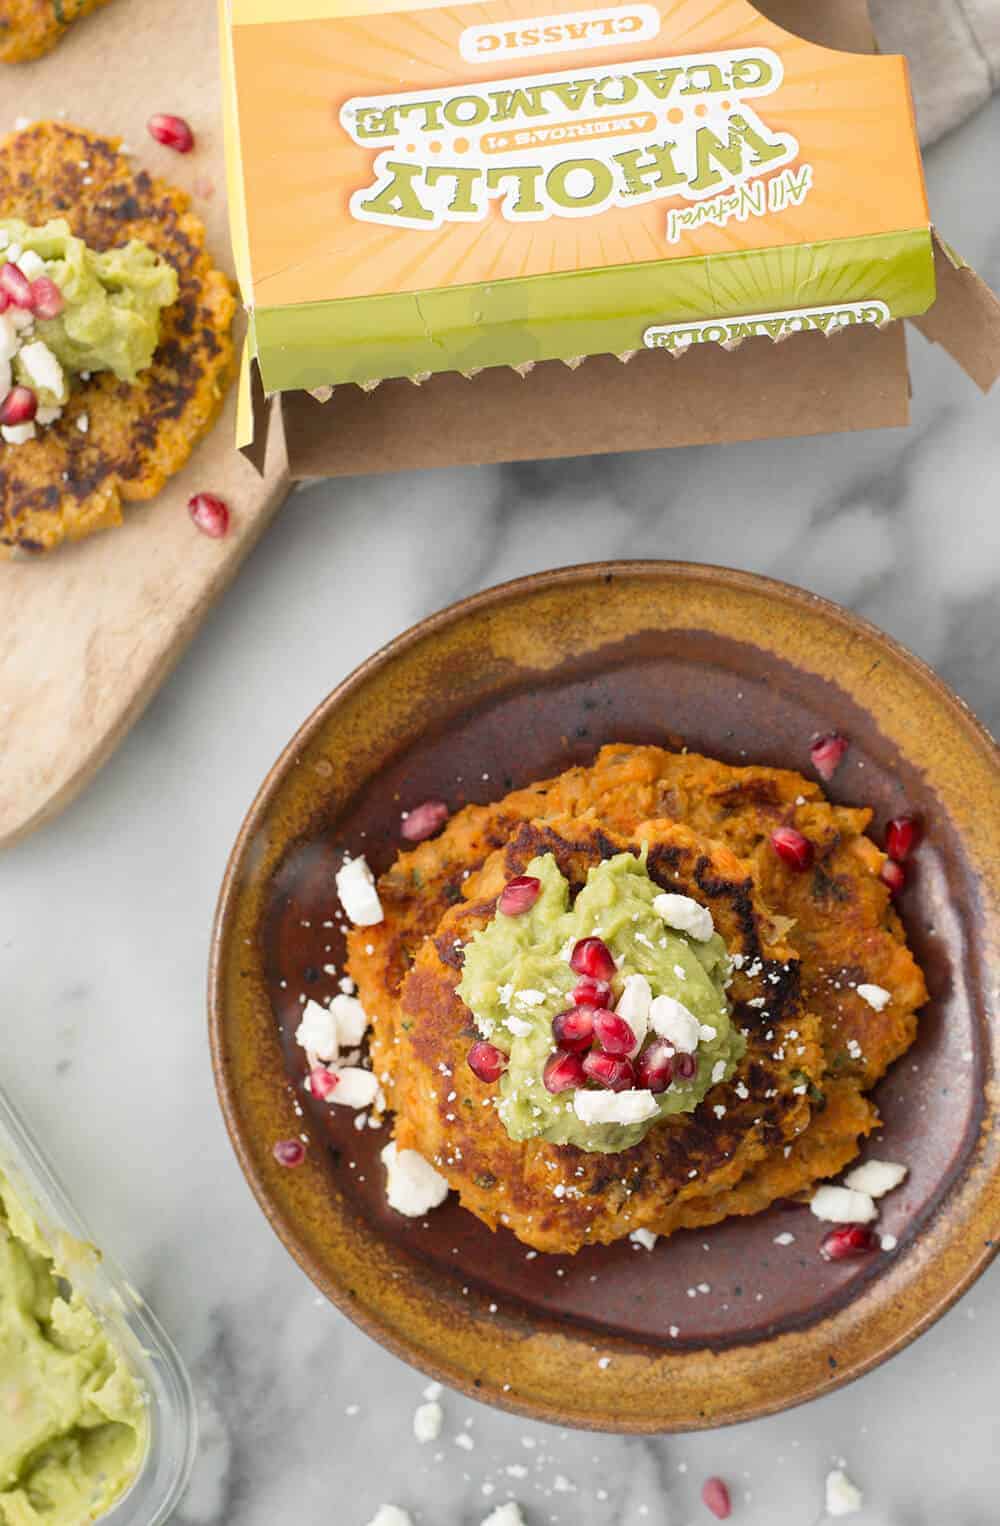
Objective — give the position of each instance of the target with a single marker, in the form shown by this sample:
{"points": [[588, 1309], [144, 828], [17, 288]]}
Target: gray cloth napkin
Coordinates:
{"points": [[954, 52]]}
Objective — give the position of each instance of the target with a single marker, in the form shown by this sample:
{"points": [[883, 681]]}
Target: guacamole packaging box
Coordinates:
{"points": [[517, 228]]}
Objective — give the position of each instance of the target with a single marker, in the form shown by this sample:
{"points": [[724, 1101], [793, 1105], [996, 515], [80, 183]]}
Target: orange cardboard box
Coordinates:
{"points": [[486, 232]]}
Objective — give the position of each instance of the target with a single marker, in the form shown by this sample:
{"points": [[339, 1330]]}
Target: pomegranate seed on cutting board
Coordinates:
{"points": [[210, 514], [172, 132]]}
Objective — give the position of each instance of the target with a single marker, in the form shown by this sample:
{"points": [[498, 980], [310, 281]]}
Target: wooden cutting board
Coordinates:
{"points": [[89, 632]]}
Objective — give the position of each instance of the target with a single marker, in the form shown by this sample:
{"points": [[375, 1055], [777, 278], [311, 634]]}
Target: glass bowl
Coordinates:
{"points": [[130, 1324]]}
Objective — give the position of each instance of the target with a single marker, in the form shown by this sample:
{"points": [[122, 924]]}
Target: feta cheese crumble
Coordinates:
{"points": [[673, 1022], [876, 1177], [317, 1032], [427, 1421], [519, 1026], [42, 369], [351, 1020], [644, 1237], [877, 997], [391, 1515], [358, 896], [839, 1205], [505, 1515], [413, 1187], [634, 1004], [355, 1087], [842, 1497], [614, 1107], [686, 915]]}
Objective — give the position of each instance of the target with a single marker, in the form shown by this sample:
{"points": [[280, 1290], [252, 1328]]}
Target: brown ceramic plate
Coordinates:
{"points": [[509, 686]]}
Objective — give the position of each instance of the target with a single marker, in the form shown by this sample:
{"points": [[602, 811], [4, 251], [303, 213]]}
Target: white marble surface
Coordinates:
{"points": [[105, 917]]}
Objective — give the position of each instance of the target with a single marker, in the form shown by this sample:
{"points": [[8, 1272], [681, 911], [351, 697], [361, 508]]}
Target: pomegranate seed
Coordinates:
{"points": [[715, 1497], [574, 1029], [848, 1241], [424, 821], [901, 837], [487, 1061], [46, 298], [172, 132], [591, 993], [16, 284], [591, 956], [685, 1066], [827, 752], [322, 1082], [519, 895], [289, 1152], [616, 1074], [210, 514], [654, 1069], [794, 849], [893, 875], [19, 406], [613, 1033], [563, 1071]]}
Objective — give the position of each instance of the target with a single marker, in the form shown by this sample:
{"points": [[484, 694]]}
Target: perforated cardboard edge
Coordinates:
{"points": [[965, 319]]}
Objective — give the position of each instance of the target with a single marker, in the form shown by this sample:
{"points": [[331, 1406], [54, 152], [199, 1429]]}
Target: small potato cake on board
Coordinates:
{"points": [[116, 442], [31, 28]]}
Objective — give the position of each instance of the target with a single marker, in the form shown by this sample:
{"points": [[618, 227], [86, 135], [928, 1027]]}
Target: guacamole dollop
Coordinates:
{"points": [[112, 299], [517, 978], [73, 1424]]}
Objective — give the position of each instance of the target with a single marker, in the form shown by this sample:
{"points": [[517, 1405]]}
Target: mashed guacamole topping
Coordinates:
{"points": [[73, 1422], [68, 310], [670, 974]]}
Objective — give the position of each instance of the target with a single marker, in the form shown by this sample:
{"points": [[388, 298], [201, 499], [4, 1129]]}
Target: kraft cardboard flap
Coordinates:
{"points": [[842, 24], [806, 385], [965, 319]]}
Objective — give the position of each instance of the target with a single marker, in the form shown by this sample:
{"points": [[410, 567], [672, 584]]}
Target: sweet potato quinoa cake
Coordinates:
{"points": [[645, 995], [30, 28], [115, 335]]}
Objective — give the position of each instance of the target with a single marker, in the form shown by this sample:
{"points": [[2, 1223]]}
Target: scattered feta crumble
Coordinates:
{"points": [[413, 1187], [876, 1177], [18, 434], [842, 1497], [317, 1032], [427, 1421], [673, 1022], [42, 369], [877, 997], [519, 1026], [391, 1515], [614, 1107], [644, 1237], [358, 896], [839, 1205], [784, 1239], [355, 1087], [351, 1020], [634, 1004], [505, 1515], [686, 915]]}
